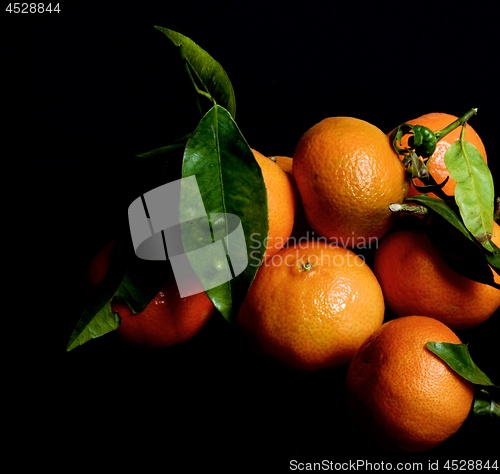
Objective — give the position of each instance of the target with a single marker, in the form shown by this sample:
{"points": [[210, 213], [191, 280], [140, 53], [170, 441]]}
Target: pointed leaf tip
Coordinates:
{"points": [[457, 356], [211, 76]]}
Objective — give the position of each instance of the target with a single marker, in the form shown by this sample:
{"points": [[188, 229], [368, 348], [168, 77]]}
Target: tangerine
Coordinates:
{"points": [[281, 202], [436, 121], [301, 228], [97, 269], [312, 305], [284, 162], [348, 174], [415, 279], [167, 320], [401, 393]]}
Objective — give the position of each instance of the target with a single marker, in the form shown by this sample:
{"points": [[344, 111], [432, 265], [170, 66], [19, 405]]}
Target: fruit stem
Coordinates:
{"points": [[457, 123], [408, 208], [306, 266]]}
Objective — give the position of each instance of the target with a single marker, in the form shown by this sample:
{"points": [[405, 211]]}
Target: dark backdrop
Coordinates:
{"points": [[86, 90]]}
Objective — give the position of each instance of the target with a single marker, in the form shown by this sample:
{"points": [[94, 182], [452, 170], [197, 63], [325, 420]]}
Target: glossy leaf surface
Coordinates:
{"points": [[457, 356], [474, 191], [230, 182]]}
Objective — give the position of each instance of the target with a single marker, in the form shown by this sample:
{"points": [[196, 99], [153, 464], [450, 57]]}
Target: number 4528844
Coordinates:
{"points": [[33, 8], [470, 465]]}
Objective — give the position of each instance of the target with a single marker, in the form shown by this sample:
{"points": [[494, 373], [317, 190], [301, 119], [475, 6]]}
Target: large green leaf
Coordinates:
{"points": [[210, 75], [230, 182], [474, 192]]}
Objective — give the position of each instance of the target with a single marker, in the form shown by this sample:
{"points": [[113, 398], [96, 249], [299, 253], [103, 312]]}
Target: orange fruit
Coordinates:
{"points": [[284, 162], [401, 393], [281, 201], [301, 228], [167, 320], [348, 174], [97, 269], [416, 280], [312, 305], [437, 121]]}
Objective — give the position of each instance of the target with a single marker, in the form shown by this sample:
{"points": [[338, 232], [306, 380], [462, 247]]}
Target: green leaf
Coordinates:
{"points": [[474, 191], [457, 356], [96, 321], [455, 244], [230, 182], [208, 72], [97, 318], [443, 209], [130, 279], [494, 257], [485, 405]]}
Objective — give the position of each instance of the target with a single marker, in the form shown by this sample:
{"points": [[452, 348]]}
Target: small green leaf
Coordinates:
{"points": [[210, 74], [130, 279], [230, 182], [97, 318], [474, 191], [457, 356], [96, 321]]}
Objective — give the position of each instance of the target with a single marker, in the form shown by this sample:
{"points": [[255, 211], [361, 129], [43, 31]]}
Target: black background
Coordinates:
{"points": [[87, 89]]}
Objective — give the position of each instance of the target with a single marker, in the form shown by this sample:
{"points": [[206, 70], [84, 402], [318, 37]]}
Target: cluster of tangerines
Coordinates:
{"points": [[316, 303]]}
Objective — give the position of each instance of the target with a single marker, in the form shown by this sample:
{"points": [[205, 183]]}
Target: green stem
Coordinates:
{"points": [[178, 143], [457, 123]]}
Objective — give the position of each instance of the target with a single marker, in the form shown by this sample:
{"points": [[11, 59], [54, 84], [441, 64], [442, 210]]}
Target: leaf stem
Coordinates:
{"points": [[457, 123]]}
